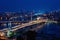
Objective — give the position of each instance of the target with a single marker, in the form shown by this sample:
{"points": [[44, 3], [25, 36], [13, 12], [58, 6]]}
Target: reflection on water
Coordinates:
{"points": [[50, 31]]}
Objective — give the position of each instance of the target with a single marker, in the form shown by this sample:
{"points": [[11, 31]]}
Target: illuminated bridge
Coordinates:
{"points": [[27, 24]]}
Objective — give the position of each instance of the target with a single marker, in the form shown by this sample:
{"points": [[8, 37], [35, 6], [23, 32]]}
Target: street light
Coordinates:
{"points": [[9, 25], [10, 32], [31, 16]]}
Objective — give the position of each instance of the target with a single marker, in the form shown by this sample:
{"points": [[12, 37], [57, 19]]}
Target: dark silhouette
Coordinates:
{"points": [[30, 35], [2, 39], [58, 21], [19, 38], [55, 38]]}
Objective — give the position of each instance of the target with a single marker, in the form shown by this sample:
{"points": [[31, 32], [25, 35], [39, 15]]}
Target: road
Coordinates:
{"points": [[24, 25]]}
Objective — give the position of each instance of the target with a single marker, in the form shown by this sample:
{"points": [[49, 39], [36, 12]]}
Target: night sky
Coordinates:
{"points": [[17, 5]]}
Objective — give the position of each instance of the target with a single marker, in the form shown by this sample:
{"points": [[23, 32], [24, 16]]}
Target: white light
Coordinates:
{"points": [[37, 13], [38, 18], [20, 16]]}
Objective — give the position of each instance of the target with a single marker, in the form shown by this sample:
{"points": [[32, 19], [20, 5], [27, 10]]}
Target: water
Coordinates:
{"points": [[48, 32]]}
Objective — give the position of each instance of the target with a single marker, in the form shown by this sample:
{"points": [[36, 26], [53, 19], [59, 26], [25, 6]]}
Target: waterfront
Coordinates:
{"points": [[45, 27], [49, 32]]}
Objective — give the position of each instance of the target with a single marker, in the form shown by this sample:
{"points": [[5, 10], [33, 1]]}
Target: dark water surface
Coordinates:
{"points": [[48, 32]]}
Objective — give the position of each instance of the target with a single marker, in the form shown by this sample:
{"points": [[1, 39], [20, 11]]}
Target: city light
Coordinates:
{"points": [[23, 23]]}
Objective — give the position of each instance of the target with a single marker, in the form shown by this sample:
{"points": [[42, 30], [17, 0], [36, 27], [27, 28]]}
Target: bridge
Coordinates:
{"points": [[24, 25], [27, 24]]}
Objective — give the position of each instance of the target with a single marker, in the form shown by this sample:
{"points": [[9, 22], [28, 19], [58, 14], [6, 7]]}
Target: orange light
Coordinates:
{"points": [[44, 14], [2, 33]]}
